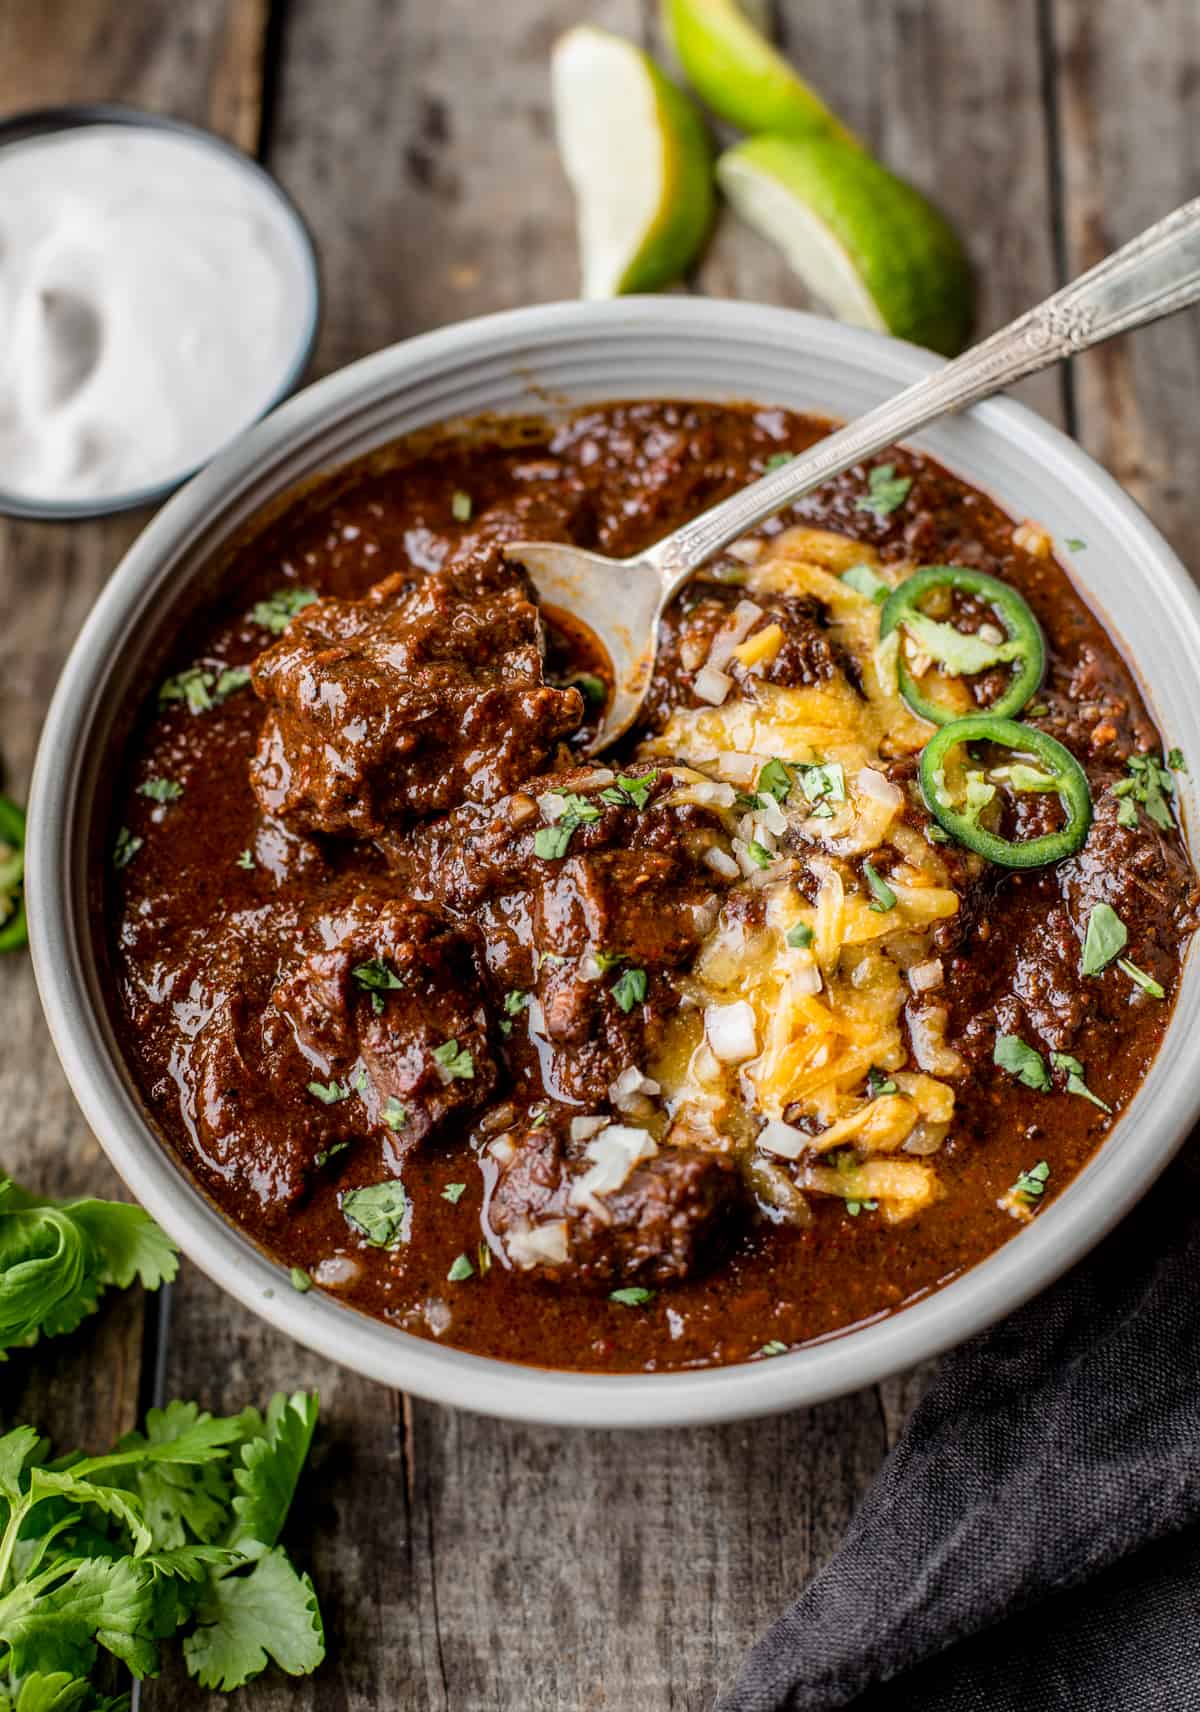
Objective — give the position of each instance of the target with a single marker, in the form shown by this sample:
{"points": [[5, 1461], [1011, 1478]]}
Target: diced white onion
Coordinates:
{"points": [[536, 1245], [583, 1129], [740, 621], [589, 967], [631, 1082], [721, 863], [336, 1270], [746, 549], [692, 653], [615, 1151], [712, 686], [502, 1149], [742, 769], [927, 1030], [731, 1031], [436, 1314], [537, 1016], [990, 633], [807, 978], [783, 1139], [771, 815], [709, 793], [926, 977], [879, 789]]}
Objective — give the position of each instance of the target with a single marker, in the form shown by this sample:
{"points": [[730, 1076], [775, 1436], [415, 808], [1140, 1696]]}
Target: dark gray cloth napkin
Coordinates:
{"points": [[1029, 1543]]}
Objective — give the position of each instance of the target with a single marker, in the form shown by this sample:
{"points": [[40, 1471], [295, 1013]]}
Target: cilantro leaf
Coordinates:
{"points": [[1105, 937], [550, 842], [886, 491], [632, 1296], [272, 1461], [276, 612], [161, 790], [455, 1063], [1029, 1067], [883, 898], [246, 1619], [863, 580], [629, 989], [377, 1212], [1074, 1072]]}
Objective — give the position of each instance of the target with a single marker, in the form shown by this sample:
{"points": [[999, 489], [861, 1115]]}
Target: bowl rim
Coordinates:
{"points": [[20, 127], [1092, 1204]]}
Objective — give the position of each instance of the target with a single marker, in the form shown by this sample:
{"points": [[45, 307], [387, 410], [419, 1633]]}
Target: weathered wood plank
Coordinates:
{"points": [[1130, 105], [185, 59]]}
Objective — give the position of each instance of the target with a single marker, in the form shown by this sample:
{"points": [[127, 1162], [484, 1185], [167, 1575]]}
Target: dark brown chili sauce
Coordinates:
{"points": [[235, 932]]}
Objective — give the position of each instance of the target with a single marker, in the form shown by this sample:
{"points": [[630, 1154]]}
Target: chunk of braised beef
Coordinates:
{"points": [[385, 998], [591, 935], [670, 1216], [408, 702]]}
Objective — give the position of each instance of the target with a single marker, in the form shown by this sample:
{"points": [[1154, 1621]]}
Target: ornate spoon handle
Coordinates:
{"points": [[1153, 276]]}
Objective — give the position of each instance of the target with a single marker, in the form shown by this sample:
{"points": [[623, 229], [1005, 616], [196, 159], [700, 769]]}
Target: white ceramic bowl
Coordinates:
{"points": [[578, 353]]}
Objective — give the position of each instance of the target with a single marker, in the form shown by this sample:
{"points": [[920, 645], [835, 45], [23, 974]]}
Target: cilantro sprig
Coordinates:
{"points": [[173, 1533], [57, 1258]]}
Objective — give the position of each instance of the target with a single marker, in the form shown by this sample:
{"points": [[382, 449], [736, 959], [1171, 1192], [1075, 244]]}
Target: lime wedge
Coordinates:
{"points": [[864, 242], [734, 68], [638, 158]]}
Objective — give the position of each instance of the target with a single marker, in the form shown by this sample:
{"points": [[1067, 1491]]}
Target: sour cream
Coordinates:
{"points": [[156, 297]]}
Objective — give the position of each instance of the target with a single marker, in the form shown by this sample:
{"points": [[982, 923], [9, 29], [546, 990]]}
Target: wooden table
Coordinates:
{"points": [[464, 1564]]}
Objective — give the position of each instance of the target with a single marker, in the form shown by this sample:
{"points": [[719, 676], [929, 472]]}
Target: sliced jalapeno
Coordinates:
{"points": [[1044, 765], [13, 932], [963, 653]]}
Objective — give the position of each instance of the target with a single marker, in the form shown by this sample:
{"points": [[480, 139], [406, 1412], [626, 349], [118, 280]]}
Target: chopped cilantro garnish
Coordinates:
{"points": [[192, 686], [632, 1296], [854, 1208], [539, 1117], [231, 679], [126, 847], [1011, 1053], [1149, 784], [777, 460], [606, 960], [886, 491], [161, 790], [1105, 937], [544, 957], [454, 1192], [883, 898], [637, 790], [822, 782], [377, 1212], [776, 780], [1126, 813], [276, 612], [629, 989], [1176, 761], [377, 979], [395, 1116], [550, 842], [461, 1270], [800, 936], [1030, 1186], [299, 1279], [515, 1001], [329, 1093], [1074, 544], [759, 854], [880, 1083], [863, 580], [1140, 978], [456, 1065], [578, 810], [246, 859], [329, 1153], [1074, 1072], [772, 1348]]}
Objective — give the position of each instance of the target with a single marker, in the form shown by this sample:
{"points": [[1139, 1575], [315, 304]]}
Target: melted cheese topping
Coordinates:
{"points": [[821, 967]]}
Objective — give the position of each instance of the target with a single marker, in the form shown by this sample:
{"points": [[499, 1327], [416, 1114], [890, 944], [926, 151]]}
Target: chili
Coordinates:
{"points": [[967, 653], [960, 819]]}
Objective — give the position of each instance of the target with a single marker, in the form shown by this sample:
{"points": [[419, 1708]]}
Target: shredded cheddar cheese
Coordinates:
{"points": [[822, 965]]}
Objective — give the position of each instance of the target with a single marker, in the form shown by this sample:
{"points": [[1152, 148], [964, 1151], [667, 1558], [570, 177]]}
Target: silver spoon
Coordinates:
{"points": [[622, 600]]}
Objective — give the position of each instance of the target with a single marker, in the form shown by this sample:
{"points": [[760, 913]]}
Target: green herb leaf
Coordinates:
{"points": [[629, 989], [1140, 978], [637, 789], [1106, 935], [1176, 761], [777, 460], [1127, 813], [328, 1153], [376, 976], [578, 810], [460, 506], [233, 678], [1030, 1186], [592, 688], [461, 1270], [454, 1192], [299, 1279], [1074, 544], [772, 1348], [550, 842], [606, 960], [515, 1001], [863, 580], [1074, 1072], [192, 686], [456, 1065], [883, 898], [822, 782], [329, 1093], [632, 1296], [246, 859], [776, 780], [799, 936], [886, 491], [961, 652], [277, 611], [246, 1619], [126, 848], [880, 1083], [1011, 1054], [1151, 785], [377, 1212], [759, 854], [395, 1116], [161, 790]]}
